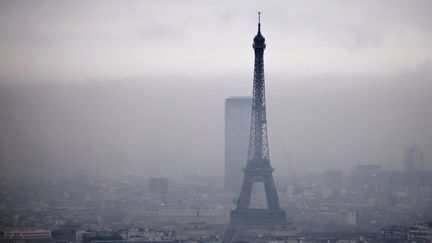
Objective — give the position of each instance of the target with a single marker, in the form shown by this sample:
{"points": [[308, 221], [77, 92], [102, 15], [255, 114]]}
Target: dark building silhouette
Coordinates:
{"points": [[333, 179], [332, 183], [363, 174], [237, 128], [158, 184], [258, 168], [414, 158]]}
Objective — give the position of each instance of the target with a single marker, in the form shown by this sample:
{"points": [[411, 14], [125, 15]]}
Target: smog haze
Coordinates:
{"points": [[138, 87]]}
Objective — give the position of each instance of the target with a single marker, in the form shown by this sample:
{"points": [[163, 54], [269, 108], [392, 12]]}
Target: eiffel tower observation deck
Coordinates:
{"points": [[258, 168]]}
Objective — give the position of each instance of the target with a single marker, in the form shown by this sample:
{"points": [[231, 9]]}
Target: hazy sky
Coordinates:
{"points": [[347, 81], [116, 39]]}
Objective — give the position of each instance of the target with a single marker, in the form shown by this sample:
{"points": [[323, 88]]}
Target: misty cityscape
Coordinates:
{"points": [[203, 121]]}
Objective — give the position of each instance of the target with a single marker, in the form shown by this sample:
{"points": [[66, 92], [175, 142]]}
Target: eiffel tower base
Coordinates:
{"points": [[247, 223], [257, 217]]}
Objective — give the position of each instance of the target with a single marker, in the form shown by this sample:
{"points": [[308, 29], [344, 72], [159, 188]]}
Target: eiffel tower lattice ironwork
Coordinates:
{"points": [[258, 168]]}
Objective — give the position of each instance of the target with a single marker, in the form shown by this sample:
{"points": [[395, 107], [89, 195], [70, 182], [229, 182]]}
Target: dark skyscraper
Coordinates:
{"points": [[237, 127], [258, 168], [414, 158]]}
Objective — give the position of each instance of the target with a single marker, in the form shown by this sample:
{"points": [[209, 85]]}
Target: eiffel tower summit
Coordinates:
{"points": [[258, 168]]}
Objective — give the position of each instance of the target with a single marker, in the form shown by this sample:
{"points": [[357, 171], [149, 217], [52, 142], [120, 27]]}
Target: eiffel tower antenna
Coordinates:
{"points": [[259, 22]]}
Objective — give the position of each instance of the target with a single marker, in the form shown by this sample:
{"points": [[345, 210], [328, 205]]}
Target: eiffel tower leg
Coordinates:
{"points": [[271, 194], [245, 193]]}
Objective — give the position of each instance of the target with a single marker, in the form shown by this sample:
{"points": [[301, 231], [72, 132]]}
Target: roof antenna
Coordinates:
{"points": [[259, 22]]}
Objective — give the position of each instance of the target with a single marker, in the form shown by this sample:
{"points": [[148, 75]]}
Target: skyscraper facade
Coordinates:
{"points": [[414, 158], [237, 127]]}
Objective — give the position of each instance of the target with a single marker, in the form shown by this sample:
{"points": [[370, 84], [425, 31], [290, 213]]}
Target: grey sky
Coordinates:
{"points": [[347, 81], [117, 39]]}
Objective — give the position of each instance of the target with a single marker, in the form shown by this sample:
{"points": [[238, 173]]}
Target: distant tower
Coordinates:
{"points": [[237, 127], [159, 185], [414, 158], [258, 168]]}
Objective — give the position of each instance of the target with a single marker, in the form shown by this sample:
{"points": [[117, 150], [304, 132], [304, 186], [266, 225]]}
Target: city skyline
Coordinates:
{"points": [[154, 121]]}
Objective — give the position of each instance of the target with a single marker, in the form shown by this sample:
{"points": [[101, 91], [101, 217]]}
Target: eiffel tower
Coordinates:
{"points": [[258, 168]]}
